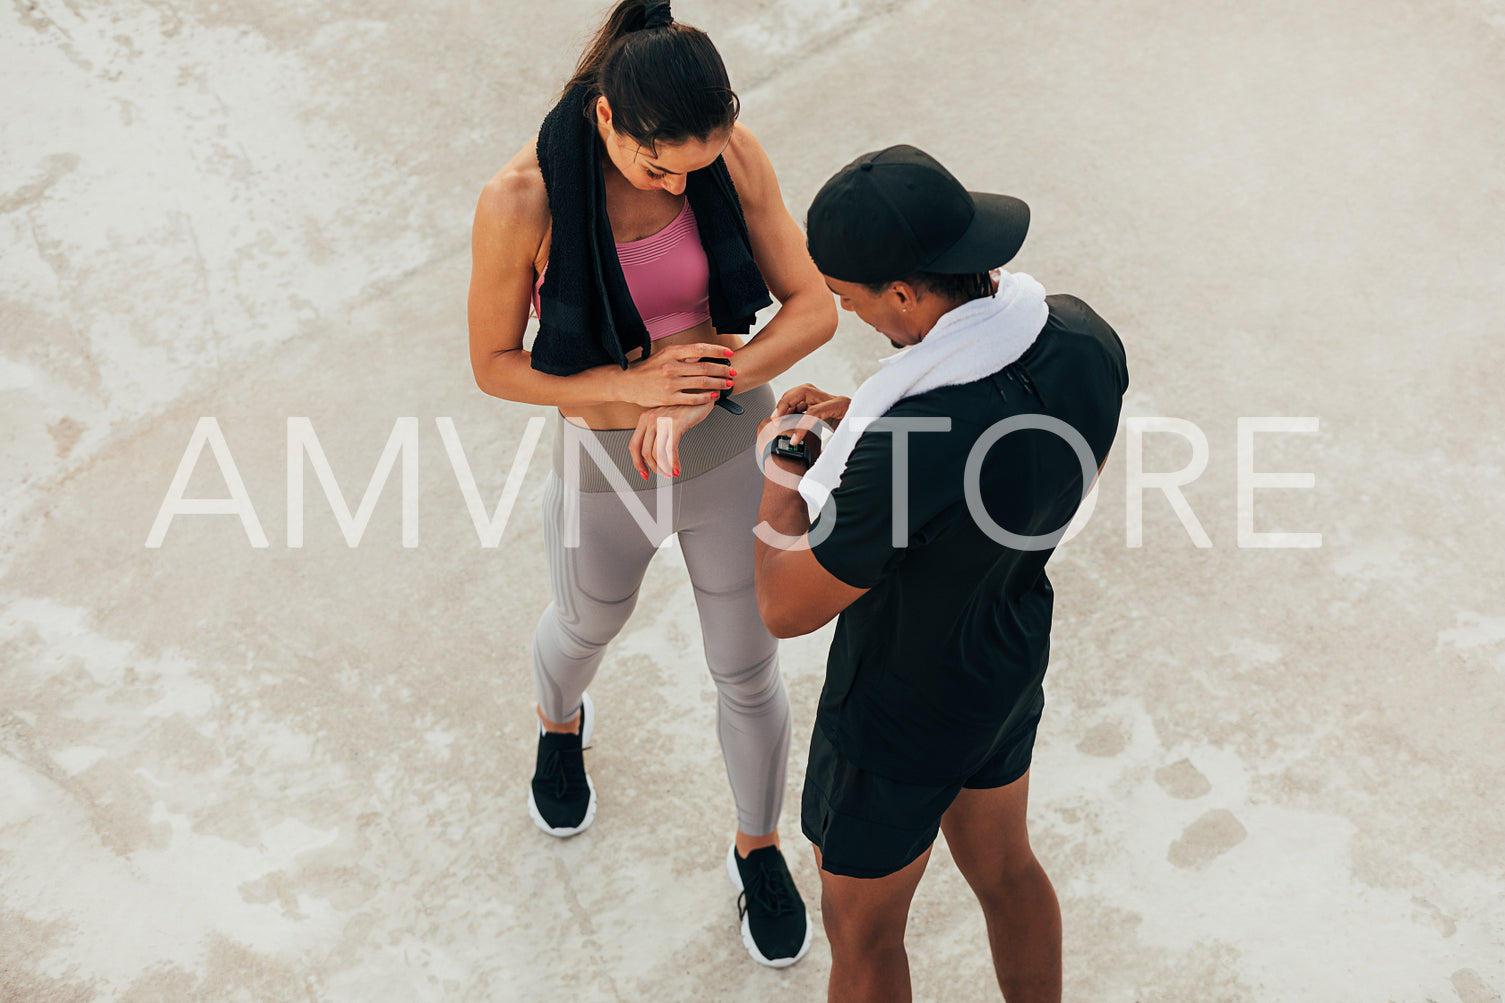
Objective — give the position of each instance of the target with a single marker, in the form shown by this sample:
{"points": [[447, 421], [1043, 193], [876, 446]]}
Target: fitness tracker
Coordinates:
{"points": [[724, 399], [789, 450]]}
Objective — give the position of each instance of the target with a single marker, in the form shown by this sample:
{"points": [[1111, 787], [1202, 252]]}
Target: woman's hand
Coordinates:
{"points": [[814, 403], [675, 376], [659, 452]]}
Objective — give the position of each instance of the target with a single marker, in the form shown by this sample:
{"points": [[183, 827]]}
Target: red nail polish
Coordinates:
{"points": [[734, 372], [729, 353], [644, 473], [676, 471]]}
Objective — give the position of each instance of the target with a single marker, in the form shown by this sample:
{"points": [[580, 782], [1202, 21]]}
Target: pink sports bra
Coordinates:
{"points": [[667, 274]]}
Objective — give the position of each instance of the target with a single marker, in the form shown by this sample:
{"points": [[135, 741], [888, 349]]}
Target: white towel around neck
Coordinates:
{"points": [[977, 338]]}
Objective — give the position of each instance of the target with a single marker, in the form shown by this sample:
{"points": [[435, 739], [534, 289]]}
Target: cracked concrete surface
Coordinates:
{"points": [[236, 773]]}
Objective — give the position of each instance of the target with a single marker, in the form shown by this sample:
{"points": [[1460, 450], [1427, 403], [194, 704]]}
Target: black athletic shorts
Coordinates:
{"points": [[868, 826]]}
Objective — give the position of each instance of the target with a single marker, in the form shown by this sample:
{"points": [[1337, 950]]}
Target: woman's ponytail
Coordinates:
{"points": [[627, 17], [665, 81]]}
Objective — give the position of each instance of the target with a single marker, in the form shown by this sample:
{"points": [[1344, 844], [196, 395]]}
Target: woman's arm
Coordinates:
{"points": [[511, 219], [806, 318]]}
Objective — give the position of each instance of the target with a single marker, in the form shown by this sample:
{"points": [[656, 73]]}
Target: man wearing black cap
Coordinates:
{"points": [[952, 475]]}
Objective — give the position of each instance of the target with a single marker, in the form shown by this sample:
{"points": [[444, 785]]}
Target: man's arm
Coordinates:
{"points": [[795, 594]]}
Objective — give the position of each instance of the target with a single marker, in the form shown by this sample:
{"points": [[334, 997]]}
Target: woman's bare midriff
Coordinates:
{"points": [[619, 414]]}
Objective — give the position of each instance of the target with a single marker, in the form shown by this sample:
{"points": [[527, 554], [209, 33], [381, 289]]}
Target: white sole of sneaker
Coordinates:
{"points": [[587, 722], [747, 937], [563, 832]]}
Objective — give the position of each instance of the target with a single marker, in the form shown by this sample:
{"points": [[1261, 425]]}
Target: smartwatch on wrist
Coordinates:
{"points": [[790, 450], [724, 398]]}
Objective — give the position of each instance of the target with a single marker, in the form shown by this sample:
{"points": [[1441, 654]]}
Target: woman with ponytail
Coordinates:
{"points": [[645, 228]]}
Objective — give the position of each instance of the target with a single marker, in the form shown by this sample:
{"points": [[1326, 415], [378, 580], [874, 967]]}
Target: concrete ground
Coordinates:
{"points": [[240, 773]]}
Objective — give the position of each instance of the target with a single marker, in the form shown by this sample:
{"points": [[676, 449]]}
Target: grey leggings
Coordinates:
{"points": [[595, 584]]}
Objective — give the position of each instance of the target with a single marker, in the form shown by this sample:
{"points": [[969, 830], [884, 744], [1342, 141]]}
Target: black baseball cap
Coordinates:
{"points": [[897, 211]]}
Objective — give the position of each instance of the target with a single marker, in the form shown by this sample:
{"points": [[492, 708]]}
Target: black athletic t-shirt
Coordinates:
{"points": [[946, 653]]}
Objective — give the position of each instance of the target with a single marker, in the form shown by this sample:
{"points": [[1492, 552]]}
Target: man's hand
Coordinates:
{"points": [[813, 402], [771, 428], [657, 452], [795, 593]]}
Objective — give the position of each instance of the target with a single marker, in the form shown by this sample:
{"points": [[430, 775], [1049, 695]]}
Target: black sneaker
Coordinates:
{"points": [[562, 799], [775, 925]]}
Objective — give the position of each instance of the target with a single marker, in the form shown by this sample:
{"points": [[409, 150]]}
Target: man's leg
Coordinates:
{"points": [[986, 832], [865, 920]]}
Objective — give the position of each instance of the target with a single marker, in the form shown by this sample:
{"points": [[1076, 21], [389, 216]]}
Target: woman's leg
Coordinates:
{"points": [[715, 520], [595, 587]]}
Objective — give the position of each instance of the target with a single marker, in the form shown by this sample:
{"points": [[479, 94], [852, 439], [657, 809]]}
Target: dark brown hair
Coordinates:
{"points": [[666, 83], [956, 288]]}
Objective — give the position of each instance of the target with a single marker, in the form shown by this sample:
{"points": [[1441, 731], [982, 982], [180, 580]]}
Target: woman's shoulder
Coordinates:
{"points": [[515, 197], [748, 164]]}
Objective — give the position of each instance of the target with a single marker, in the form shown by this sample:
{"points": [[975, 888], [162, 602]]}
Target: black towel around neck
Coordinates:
{"points": [[586, 314]]}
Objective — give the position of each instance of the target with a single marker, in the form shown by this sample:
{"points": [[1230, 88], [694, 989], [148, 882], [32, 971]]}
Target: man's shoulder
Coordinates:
{"points": [[956, 410], [941, 401], [979, 402], [1074, 324], [939, 428], [1070, 313], [1072, 327]]}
